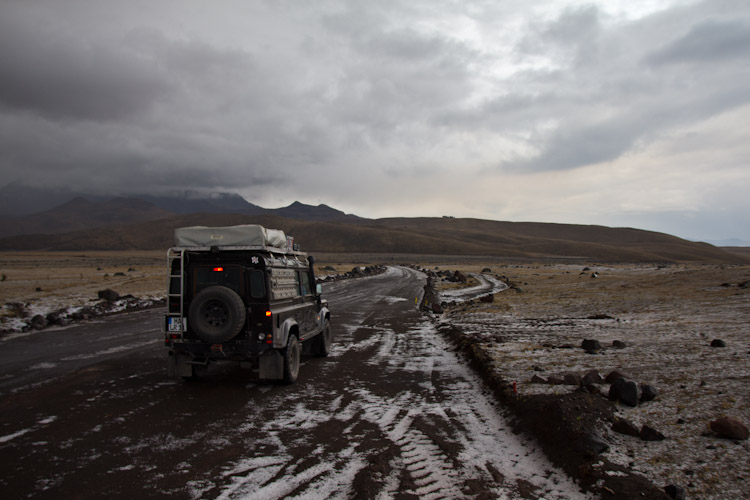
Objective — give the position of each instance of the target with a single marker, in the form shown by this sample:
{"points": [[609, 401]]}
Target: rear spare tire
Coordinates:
{"points": [[216, 314]]}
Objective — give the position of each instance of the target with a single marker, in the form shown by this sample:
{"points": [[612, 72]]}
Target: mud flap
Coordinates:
{"points": [[271, 366], [179, 365]]}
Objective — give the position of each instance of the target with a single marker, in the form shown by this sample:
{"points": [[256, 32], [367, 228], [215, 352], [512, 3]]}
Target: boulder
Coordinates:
{"points": [[718, 343], [729, 428], [625, 391], [536, 379], [625, 427], [648, 392], [612, 377], [650, 434], [553, 380], [571, 379], [591, 346], [619, 344], [486, 270], [486, 299], [592, 377], [38, 322], [675, 492], [108, 295]]}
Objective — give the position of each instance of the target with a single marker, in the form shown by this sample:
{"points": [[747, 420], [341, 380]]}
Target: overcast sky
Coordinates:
{"points": [[622, 113]]}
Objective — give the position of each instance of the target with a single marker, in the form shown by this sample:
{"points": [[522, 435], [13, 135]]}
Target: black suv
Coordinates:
{"points": [[246, 294]]}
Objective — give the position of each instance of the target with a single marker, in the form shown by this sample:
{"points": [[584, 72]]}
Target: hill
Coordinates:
{"points": [[80, 213], [436, 236]]}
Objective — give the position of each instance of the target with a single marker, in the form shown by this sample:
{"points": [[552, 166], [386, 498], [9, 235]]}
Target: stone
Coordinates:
{"points": [[38, 322], [593, 445], [650, 434], [592, 377], [536, 379], [571, 379], [591, 346], [486, 270], [675, 492], [718, 343], [626, 392], [486, 299], [612, 377], [553, 380], [625, 427], [730, 428], [108, 295], [648, 392], [619, 344]]}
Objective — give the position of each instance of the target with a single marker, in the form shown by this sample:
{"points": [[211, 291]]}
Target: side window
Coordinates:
{"points": [[257, 284], [304, 283]]}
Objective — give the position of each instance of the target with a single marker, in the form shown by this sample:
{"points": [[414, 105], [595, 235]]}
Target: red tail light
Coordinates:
{"points": [[218, 269]]}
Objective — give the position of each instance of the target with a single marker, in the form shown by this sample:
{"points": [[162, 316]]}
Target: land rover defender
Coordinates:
{"points": [[244, 294]]}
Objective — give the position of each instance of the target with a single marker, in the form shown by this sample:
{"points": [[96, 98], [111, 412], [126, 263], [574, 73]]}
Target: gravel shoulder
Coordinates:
{"points": [[666, 317]]}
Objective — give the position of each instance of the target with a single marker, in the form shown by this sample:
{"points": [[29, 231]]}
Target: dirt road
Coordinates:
{"points": [[88, 411]]}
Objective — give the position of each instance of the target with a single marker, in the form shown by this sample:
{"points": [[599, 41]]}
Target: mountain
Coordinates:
{"points": [[17, 199], [392, 237], [301, 211], [189, 202], [80, 213]]}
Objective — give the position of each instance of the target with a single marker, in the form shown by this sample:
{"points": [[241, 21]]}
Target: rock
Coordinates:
{"points": [[592, 377], [536, 379], [108, 295], [675, 492], [592, 445], [486, 270], [648, 392], [591, 346], [619, 344], [650, 434], [553, 380], [486, 299], [625, 391], [625, 427], [730, 428], [613, 376], [571, 379], [718, 343], [594, 275], [53, 318], [38, 322]]}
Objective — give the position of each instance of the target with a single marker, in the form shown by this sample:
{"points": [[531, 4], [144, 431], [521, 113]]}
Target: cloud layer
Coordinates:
{"points": [[617, 113]]}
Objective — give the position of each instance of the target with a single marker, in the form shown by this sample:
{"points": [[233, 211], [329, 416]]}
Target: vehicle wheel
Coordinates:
{"points": [[323, 347], [216, 314], [291, 360]]}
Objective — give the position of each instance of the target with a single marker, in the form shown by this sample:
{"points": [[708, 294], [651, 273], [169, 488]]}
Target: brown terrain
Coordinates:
{"points": [[665, 299]]}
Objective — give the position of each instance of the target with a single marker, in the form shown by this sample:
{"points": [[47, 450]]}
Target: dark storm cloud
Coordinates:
{"points": [[61, 74]]}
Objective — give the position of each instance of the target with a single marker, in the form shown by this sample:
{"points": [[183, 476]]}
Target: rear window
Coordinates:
{"points": [[228, 276], [257, 284]]}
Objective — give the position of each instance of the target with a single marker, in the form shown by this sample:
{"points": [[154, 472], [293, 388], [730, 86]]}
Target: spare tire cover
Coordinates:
{"points": [[216, 314]]}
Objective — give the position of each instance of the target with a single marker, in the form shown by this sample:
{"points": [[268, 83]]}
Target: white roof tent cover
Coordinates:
{"points": [[245, 235]]}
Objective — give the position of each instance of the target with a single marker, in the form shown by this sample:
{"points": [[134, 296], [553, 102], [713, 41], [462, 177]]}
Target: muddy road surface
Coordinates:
{"points": [[89, 412]]}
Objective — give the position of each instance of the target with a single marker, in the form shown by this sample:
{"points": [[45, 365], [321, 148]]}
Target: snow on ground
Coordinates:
{"points": [[485, 438], [487, 284], [667, 323]]}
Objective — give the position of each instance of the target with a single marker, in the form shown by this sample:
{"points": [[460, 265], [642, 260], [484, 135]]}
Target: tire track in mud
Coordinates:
{"points": [[404, 418]]}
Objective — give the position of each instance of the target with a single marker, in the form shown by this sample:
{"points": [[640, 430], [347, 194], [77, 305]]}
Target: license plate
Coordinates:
{"points": [[175, 324]]}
